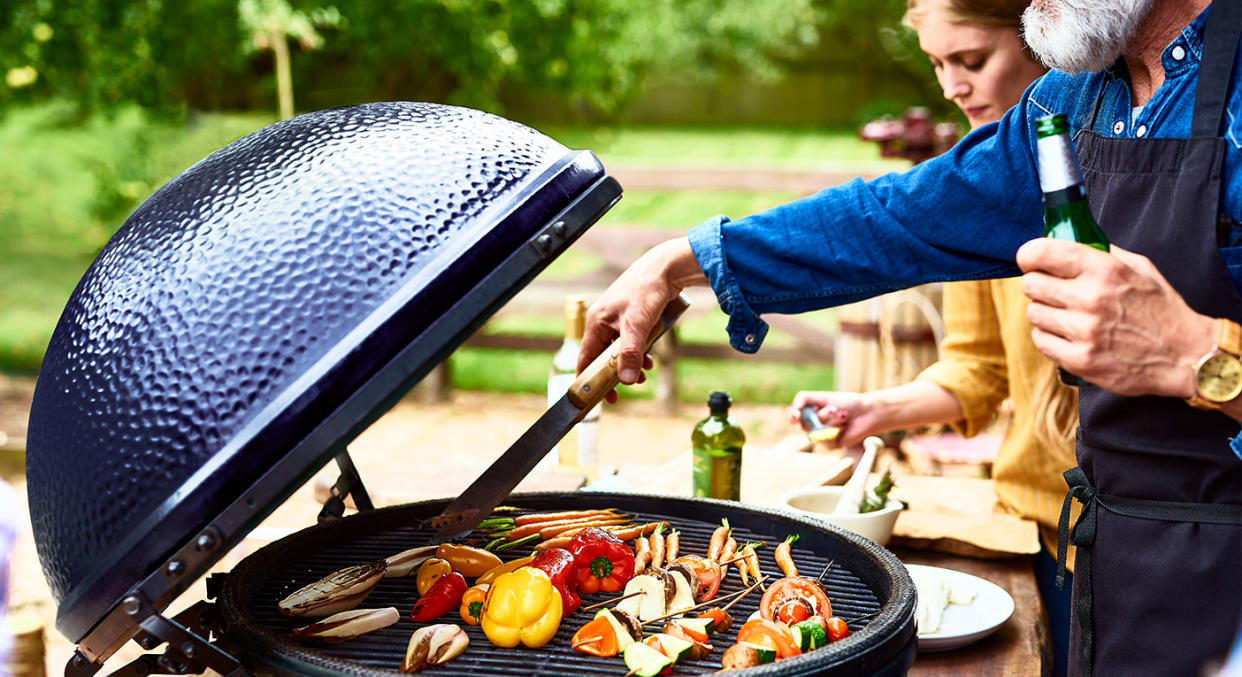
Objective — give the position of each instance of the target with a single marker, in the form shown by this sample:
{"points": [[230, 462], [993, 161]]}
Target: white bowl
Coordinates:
{"points": [[819, 502]]}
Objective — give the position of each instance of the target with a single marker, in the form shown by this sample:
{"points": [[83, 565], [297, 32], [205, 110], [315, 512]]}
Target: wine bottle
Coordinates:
{"points": [[578, 450], [1067, 214]]}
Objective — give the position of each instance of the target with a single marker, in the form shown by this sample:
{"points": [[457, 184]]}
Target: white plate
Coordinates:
{"points": [[962, 624]]}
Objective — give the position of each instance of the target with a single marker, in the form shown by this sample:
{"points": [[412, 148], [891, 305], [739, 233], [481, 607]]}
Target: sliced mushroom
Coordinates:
{"points": [[349, 624], [406, 562], [683, 597], [698, 650], [629, 623], [434, 645], [340, 591], [655, 586]]}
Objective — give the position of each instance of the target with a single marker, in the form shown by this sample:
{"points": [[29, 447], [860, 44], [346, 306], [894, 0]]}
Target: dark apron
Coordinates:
{"points": [[1158, 577]]}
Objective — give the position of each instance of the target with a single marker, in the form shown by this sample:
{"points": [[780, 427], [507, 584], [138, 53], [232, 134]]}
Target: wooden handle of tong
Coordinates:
{"points": [[601, 375]]}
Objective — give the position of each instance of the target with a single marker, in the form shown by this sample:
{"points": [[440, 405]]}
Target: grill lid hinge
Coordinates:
{"points": [[349, 484], [187, 653]]}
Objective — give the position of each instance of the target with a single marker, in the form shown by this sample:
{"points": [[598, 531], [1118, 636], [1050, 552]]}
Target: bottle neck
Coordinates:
{"points": [[1058, 166]]}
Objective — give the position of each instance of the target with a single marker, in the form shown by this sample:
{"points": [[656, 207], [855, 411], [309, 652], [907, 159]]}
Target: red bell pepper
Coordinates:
{"points": [[442, 597], [604, 561], [558, 564]]}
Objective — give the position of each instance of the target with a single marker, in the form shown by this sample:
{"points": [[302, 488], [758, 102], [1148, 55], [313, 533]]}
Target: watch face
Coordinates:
{"points": [[1220, 378]]}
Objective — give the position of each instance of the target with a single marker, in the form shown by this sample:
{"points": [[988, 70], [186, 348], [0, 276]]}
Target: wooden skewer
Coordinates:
{"points": [[826, 568], [736, 596], [586, 642], [630, 673], [740, 597], [730, 561], [615, 599]]}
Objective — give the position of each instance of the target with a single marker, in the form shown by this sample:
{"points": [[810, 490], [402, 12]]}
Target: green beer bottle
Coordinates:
{"points": [[717, 441], [1067, 214]]}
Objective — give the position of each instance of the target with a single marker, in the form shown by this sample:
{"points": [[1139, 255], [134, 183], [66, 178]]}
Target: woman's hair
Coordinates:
{"points": [[982, 12], [1055, 409]]}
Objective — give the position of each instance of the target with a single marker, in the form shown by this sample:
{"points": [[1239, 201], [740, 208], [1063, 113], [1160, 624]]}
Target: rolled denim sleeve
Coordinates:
{"points": [[746, 330]]}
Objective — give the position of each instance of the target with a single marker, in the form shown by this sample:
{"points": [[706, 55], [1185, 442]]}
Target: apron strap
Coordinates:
{"points": [[1083, 535], [1220, 47]]}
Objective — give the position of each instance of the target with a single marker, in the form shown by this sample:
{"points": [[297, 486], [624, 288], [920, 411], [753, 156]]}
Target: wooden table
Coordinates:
{"points": [[1020, 647]]}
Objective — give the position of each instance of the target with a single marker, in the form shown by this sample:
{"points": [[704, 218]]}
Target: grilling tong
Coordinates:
{"points": [[465, 512]]}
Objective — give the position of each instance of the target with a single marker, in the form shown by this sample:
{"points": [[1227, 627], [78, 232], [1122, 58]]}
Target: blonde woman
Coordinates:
{"points": [[982, 64]]}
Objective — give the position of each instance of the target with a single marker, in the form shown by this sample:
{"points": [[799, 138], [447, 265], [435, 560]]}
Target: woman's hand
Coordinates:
{"points": [[1112, 318], [848, 411], [632, 304]]}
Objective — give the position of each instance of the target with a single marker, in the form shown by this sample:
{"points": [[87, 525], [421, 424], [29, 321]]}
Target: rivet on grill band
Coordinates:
{"points": [[205, 541], [175, 568], [132, 605]]}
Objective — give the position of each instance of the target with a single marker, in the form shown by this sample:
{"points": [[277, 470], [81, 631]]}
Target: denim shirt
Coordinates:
{"points": [[959, 216]]}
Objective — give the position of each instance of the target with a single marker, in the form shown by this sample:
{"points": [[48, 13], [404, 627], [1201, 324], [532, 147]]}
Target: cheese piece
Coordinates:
{"points": [[935, 594]]}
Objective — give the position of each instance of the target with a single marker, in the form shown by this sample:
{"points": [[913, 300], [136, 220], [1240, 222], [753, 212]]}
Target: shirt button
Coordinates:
{"points": [[750, 339], [1178, 53], [1119, 127], [1141, 131]]}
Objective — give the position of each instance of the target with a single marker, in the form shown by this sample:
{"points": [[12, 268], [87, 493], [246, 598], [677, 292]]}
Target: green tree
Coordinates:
{"points": [[271, 24]]}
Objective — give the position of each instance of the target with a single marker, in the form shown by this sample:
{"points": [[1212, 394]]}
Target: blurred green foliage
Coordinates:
{"points": [[168, 54]]}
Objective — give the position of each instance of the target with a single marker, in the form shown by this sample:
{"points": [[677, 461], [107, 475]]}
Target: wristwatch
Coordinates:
{"points": [[1218, 375]]}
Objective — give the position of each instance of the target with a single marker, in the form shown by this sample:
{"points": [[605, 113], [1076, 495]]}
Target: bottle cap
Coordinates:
{"points": [[719, 401]]}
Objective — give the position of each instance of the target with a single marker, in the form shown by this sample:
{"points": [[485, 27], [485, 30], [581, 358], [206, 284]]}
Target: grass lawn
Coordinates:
{"points": [[67, 184]]}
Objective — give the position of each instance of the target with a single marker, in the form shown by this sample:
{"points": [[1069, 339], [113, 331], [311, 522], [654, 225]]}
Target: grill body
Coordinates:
{"points": [[863, 582], [259, 311]]}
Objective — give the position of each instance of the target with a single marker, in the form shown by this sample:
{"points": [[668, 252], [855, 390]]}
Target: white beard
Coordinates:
{"points": [[1078, 36]]}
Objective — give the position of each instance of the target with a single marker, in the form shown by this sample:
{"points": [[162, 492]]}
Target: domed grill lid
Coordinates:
{"points": [[257, 313]]}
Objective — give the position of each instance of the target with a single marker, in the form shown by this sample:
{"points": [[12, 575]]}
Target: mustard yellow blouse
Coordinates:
{"points": [[986, 356]]}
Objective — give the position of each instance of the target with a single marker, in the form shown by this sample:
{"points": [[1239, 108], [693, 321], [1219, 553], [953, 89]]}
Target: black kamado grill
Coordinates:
{"points": [[255, 315]]}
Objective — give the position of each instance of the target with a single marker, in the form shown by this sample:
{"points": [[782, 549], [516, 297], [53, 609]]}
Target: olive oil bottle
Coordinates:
{"points": [[1067, 214], [717, 443]]}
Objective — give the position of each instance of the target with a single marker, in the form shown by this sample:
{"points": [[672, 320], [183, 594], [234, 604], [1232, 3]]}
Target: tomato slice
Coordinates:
{"points": [[792, 587], [770, 635], [837, 629], [794, 610], [707, 572]]}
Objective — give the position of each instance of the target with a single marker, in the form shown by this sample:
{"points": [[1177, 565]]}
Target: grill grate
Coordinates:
{"points": [[254, 587]]}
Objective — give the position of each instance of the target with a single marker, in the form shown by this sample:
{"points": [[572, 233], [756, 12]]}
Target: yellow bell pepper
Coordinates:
{"points": [[523, 607], [429, 572], [491, 574]]}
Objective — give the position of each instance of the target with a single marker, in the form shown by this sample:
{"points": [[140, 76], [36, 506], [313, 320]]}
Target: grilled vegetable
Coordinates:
{"points": [[443, 596], [685, 647], [603, 560], [707, 574], [810, 634], [742, 655], [429, 572], [349, 624], [721, 619], [562, 570], [676, 648], [656, 541], [608, 634], [685, 583], [658, 589], [719, 536], [695, 629], [565, 515], [794, 610], [771, 635], [339, 591], [471, 609], [434, 645], [791, 587], [522, 607], [645, 661], [471, 562], [642, 555], [406, 561], [837, 629], [752, 559], [784, 559], [671, 545], [726, 554], [504, 568]]}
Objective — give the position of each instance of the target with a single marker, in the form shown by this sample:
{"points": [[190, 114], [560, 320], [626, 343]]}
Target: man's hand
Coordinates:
{"points": [[1112, 318], [631, 306]]}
